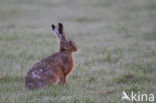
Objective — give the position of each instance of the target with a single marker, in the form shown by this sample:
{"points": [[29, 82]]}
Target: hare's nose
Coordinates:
{"points": [[76, 48]]}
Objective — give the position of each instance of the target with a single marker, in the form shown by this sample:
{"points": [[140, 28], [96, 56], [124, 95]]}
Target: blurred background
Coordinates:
{"points": [[116, 40]]}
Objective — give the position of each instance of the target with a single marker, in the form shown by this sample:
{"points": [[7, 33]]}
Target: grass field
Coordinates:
{"points": [[116, 40]]}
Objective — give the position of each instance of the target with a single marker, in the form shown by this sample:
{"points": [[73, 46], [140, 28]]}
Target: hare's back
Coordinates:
{"points": [[41, 68]]}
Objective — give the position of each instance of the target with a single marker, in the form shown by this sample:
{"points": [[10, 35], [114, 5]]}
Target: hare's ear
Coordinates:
{"points": [[60, 30], [53, 26], [55, 30]]}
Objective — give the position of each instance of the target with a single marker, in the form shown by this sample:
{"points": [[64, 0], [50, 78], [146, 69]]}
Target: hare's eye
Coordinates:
{"points": [[70, 42]]}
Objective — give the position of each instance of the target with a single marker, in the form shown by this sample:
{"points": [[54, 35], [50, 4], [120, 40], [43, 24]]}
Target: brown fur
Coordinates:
{"points": [[54, 68]]}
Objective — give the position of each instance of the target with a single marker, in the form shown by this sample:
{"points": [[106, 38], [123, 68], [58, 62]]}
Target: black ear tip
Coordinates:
{"points": [[60, 24], [53, 26]]}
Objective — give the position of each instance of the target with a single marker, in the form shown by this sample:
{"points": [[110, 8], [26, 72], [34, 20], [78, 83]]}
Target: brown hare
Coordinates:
{"points": [[54, 68]]}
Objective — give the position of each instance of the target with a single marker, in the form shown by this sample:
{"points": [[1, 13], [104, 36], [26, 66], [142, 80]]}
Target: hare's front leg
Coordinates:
{"points": [[62, 80], [55, 79]]}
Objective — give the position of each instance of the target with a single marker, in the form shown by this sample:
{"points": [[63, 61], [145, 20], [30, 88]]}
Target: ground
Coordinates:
{"points": [[116, 40]]}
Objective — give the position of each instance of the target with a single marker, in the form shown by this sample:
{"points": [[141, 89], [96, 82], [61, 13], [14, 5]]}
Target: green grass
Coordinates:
{"points": [[116, 40]]}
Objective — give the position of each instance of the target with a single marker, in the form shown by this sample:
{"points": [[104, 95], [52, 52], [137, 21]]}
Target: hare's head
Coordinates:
{"points": [[65, 44]]}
